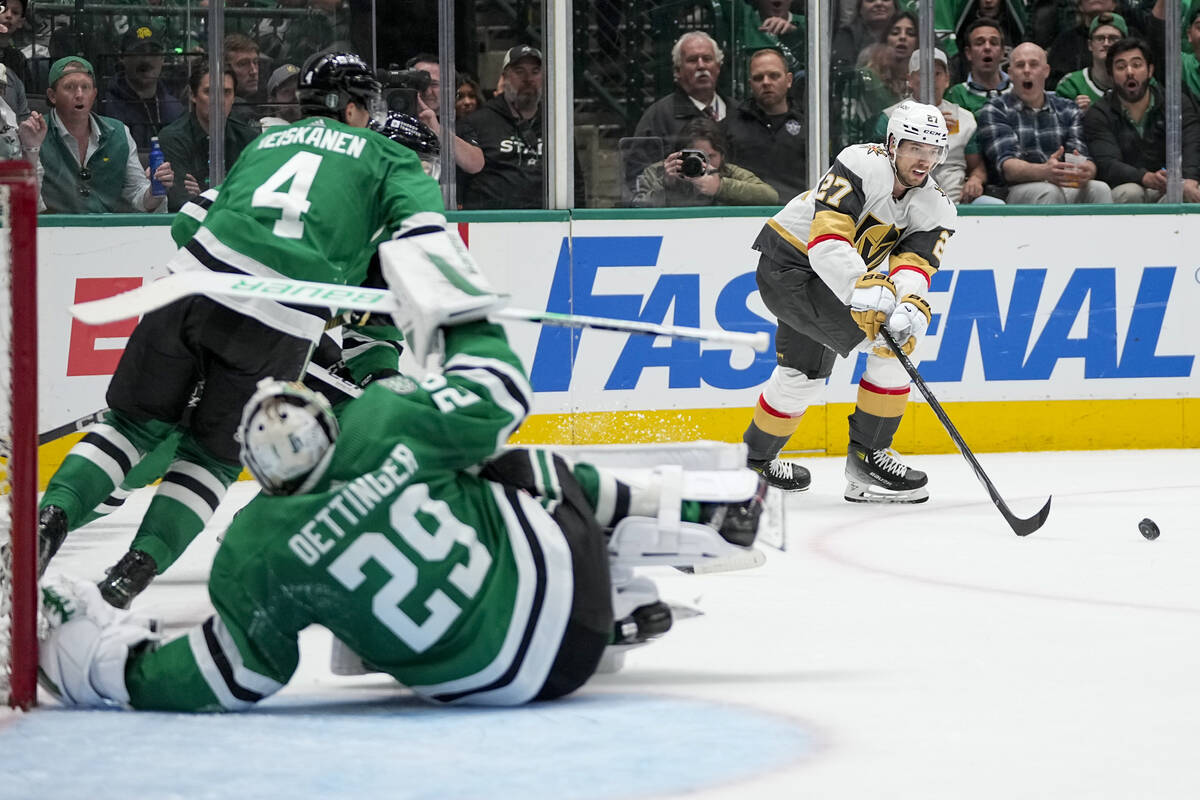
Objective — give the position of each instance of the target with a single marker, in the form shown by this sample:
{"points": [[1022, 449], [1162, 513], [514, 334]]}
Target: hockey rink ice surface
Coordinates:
{"points": [[890, 652]]}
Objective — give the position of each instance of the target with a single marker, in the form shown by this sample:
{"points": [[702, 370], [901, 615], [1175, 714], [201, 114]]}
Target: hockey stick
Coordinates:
{"points": [[1021, 527], [157, 294], [87, 420]]}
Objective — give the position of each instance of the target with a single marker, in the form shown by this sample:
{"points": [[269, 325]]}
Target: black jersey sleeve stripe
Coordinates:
{"points": [[535, 611], [223, 666]]}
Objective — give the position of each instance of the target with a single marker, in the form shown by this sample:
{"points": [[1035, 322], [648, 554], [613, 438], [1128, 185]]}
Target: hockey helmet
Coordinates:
{"points": [[286, 434], [409, 131], [329, 81], [917, 122]]}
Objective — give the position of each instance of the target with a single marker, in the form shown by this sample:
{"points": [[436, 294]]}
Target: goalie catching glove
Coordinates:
{"points": [[436, 283], [907, 323], [872, 302]]}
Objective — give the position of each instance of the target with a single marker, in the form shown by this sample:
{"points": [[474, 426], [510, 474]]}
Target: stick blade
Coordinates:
{"points": [[1024, 527]]}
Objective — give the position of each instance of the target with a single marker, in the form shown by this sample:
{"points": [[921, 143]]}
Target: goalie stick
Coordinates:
{"points": [[157, 294], [1021, 527]]}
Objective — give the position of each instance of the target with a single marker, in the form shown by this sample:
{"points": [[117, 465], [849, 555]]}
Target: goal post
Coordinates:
{"points": [[18, 429]]}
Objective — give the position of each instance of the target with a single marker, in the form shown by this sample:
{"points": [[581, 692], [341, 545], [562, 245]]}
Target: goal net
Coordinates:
{"points": [[18, 434]]}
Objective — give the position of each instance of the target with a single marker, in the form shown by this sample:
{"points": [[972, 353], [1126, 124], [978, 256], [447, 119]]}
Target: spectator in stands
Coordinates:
{"points": [[952, 18], [1126, 131], [241, 54], [508, 129], [1070, 50], [767, 134], [12, 91], [91, 162], [962, 175], [1086, 86], [718, 183], [869, 26], [860, 95], [185, 141], [428, 63], [1191, 61], [983, 48], [282, 106], [1033, 140], [763, 24], [467, 95], [13, 18], [138, 97]]}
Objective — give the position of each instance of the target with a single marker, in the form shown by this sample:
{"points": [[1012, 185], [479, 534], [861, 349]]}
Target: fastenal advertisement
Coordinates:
{"points": [[1042, 327]]}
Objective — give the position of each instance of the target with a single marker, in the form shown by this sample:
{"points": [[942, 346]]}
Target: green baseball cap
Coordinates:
{"points": [[1115, 20], [70, 64]]}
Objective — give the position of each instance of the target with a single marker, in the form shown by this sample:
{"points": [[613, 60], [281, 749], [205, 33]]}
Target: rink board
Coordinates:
{"points": [[1062, 332]]}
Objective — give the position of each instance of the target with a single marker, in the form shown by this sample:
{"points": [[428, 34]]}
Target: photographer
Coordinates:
{"points": [[697, 174], [414, 91]]}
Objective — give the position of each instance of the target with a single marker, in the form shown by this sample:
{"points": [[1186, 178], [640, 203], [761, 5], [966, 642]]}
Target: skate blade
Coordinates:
{"points": [[869, 493], [748, 560]]}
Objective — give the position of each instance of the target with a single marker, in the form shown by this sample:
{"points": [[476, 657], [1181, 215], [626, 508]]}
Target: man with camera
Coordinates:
{"points": [[508, 128], [415, 91], [697, 174]]}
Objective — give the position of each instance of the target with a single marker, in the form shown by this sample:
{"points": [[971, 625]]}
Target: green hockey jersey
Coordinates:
{"points": [[308, 201], [458, 587]]}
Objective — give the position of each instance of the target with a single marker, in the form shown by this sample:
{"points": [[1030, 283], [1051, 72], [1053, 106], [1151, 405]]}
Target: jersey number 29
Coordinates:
{"points": [[301, 170], [432, 546]]}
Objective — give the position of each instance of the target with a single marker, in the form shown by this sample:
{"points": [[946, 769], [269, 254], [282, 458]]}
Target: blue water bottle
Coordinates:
{"points": [[156, 160]]}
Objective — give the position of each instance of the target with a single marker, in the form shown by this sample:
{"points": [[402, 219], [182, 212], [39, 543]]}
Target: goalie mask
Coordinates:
{"points": [[917, 122], [414, 134], [286, 434]]}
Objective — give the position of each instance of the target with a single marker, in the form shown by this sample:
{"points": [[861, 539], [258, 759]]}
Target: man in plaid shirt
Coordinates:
{"points": [[1033, 139]]}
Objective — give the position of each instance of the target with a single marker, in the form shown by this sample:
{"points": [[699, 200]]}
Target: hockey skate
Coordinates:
{"points": [[52, 531], [128, 578], [878, 476], [737, 522], [787, 476]]}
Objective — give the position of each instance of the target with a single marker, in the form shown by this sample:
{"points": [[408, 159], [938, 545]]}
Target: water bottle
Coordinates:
{"points": [[156, 160]]}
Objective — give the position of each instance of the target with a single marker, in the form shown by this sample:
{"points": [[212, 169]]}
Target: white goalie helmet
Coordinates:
{"points": [[917, 122], [286, 434]]}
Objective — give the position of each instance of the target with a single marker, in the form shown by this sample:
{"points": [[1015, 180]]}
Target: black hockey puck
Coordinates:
{"points": [[1148, 529]]}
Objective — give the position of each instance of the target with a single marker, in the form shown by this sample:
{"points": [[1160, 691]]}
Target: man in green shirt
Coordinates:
{"points": [[983, 47], [309, 201], [1086, 86]]}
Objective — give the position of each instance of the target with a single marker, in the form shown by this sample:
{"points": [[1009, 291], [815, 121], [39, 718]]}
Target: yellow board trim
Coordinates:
{"points": [[990, 427]]}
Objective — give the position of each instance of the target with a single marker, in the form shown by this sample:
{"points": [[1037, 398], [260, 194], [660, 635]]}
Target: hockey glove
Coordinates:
{"points": [[907, 324], [437, 284], [872, 301], [82, 657]]}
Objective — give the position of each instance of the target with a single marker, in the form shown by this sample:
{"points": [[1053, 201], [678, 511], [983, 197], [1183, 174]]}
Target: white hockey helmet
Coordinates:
{"points": [[917, 122], [286, 434]]}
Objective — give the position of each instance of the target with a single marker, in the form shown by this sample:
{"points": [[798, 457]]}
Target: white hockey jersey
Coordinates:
{"points": [[853, 204]]}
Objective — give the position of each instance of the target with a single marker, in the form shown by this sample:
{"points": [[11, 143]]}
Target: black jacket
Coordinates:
{"points": [[773, 150], [513, 169], [1122, 155]]}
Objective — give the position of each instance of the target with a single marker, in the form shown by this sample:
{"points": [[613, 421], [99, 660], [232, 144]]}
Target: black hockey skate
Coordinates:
{"points": [[878, 476], [645, 623], [128, 578], [786, 476], [737, 522], [52, 531]]}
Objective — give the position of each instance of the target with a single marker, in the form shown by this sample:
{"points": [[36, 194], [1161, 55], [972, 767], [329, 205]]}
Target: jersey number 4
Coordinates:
{"points": [[432, 546], [301, 170]]}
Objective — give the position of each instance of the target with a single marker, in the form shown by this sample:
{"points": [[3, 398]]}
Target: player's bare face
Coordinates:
{"points": [[914, 161], [698, 73], [984, 51]]}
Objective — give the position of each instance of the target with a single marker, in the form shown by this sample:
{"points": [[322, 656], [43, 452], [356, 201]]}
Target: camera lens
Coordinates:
{"points": [[693, 166]]}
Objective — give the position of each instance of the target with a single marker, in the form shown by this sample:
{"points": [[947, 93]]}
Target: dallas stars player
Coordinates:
{"points": [[476, 583], [821, 273], [307, 201]]}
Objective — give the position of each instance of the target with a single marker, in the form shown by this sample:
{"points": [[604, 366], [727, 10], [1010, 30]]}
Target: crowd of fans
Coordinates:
{"points": [[1046, 102]]}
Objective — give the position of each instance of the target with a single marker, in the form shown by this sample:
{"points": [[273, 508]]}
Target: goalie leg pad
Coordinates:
{"points": [[640, 541]]}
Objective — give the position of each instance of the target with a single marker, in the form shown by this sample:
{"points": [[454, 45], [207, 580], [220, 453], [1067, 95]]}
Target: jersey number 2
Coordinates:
{"points": [[432, 546], [301, 170]]}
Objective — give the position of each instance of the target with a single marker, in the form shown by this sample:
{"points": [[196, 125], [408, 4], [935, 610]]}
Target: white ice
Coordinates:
{"points": [[890, 652]]}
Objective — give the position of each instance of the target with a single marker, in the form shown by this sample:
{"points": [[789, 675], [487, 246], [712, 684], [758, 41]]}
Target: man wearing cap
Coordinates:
{"points": [[1086, 86], [282, 105], [91, 162], [962, 175], [185, 141], [508, 129], [1071, 50], [138, 97]]}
